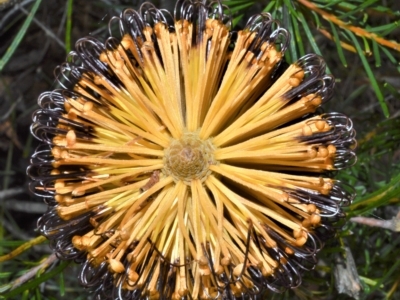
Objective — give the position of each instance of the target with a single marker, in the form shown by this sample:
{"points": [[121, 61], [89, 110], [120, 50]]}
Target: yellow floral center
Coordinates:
{"points": [[189, 158]]}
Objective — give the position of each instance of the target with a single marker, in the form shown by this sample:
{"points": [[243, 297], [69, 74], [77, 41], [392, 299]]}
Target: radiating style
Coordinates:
{"points": [[184, 160]]}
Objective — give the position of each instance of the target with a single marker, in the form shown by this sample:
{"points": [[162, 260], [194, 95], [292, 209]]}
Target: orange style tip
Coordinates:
{"points": [[289, 251], [88, 106], [311, 208], [300, 241], [226, 261], [320, 124], [116, 266], [205, 272], [183, 292], [294, 81], [203, 261], [238, 270], [133, 276], [315, 219], [71, 138]]}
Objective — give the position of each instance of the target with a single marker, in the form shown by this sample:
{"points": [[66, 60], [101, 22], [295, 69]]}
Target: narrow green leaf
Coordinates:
{"points": [[6, 179], [392, 90], [347, 6], [368, 281], [236, 20], [367, 49], [37, 292], [298, 37], [290, 7], [370, 74], [317, 20], [367, 261], [368, 3], [236, 2], [275, 11], [25, 295], [5, 274], [28, 146], [62, 284], [296, 41], [269, 6], [21, 33], [338, 45], [310, 36], [68, 26], [392, 59], [384, 29], [357, 92], [387, 274], [377, 55], [358, 8], [330, 3], [292, 53], [376, 199], [236, 8]]}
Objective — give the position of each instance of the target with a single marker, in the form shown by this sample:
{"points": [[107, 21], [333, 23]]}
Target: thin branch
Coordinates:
{"points": [[346, 46], [26, 206], [5, 194], [22, 248], [44, 28], [356, 30], [32, 272], [393, 224]]}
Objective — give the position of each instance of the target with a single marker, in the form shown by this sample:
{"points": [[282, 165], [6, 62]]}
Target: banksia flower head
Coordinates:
{"points": [[182, 160]]}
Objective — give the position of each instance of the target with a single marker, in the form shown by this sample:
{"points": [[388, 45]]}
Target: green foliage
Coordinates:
{"points": [[19, 36]]}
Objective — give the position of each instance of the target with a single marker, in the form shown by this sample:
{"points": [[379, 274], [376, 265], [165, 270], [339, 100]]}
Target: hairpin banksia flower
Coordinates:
{"points": [[182, 160]]}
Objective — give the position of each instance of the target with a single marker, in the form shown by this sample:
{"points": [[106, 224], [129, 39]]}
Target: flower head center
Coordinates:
{"points": [[189, 158]]}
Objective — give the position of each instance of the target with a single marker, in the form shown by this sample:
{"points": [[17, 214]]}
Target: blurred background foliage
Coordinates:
{"points": [[359, 39]]}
